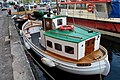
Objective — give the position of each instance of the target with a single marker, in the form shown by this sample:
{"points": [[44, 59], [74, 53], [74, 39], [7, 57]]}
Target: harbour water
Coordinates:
{"points": [[114, 53], [114, 58]]}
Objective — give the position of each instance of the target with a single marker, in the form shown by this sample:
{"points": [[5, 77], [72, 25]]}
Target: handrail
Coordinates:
{"points": [[85, 2]]}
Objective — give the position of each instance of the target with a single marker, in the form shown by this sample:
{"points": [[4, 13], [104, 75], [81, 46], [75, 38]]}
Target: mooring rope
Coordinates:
{"points": [[40, 65]]}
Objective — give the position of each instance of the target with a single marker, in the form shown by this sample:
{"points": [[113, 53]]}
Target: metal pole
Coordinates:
{"points": [[57, 6]]}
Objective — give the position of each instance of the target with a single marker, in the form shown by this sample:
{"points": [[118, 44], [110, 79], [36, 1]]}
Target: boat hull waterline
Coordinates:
{"points": [[97, 24]]}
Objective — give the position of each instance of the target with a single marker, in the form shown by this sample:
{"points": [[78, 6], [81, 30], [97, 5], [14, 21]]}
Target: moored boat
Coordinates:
{"points": [[68, 47], [93, 13]]}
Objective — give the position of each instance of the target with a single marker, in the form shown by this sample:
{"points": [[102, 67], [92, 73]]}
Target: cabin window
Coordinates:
{"points": [[83, 6], [49, 43], [100, 8], [64, 6], [80, 6], [69, 49], [47, 23], [71, 6], [59, 22], [58, 47], [82, 46]]}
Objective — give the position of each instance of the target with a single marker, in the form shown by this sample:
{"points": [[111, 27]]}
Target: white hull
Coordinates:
{"points": [[100, 67]]}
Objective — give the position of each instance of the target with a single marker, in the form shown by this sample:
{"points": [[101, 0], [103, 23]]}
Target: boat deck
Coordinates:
{"points": [[35, 40], [94, 56]]}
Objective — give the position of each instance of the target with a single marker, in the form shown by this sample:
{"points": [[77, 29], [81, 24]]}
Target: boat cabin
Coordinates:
{"points": [[86, 9], [74, 42], [53, 22]]}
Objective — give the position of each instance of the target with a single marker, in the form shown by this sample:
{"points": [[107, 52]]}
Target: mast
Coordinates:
{"points": [[24, 7], [57, 6]]}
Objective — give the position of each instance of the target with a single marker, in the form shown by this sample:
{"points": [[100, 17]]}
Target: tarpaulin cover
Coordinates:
{"points": [[115, 9]]}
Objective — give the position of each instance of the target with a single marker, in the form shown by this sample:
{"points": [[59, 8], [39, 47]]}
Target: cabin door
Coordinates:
{"points": [[89, 46]]}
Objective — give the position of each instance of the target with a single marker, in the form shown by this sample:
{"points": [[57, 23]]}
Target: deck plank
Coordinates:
{"points": [[87, 59]]}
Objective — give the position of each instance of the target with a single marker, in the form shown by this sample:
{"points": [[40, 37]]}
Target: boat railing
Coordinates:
{"points": [[78, 13], [104, 51], [87, 15]]}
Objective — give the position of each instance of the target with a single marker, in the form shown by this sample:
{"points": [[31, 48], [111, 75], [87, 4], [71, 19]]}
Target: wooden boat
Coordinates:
{"points": [[19, 21], [93, 13], [70, 48]]}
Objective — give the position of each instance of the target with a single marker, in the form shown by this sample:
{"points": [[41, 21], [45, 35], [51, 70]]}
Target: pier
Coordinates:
{"points": [[14, 64]]}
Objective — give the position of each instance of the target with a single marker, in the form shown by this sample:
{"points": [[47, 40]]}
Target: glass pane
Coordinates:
{"points": [[59, 22], [49, 43], [58, 47], [69, 49]]}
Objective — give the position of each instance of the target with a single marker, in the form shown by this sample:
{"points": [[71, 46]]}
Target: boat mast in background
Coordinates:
{"points": [[57, 6]]}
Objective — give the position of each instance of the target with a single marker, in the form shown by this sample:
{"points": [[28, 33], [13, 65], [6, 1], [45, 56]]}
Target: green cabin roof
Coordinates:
{"points": [[78, 34]]}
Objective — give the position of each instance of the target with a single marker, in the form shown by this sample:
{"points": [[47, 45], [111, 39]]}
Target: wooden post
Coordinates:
{"points": [[57, 6]]}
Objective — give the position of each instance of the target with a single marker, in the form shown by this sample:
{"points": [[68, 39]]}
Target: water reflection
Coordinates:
{"points": [[114, 58], [115, 66]]}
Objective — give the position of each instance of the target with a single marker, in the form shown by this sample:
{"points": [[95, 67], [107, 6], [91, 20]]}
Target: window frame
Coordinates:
{"points": [[58, 46], [50, 43], [69, 51]]}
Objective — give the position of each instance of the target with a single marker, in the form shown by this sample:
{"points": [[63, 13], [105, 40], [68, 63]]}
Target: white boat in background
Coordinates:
{"points": [[93, 13], [70, 48]]}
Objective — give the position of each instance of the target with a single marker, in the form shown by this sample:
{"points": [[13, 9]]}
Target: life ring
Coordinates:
{"points": [[90, 7], [66, 27]]}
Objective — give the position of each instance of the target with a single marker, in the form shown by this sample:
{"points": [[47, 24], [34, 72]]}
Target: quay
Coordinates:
{"points": [[14, 64], [20, 64]]}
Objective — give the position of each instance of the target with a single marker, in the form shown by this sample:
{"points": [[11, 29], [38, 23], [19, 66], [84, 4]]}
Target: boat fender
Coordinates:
{"points": [[13, 17], [27, 45], [48, 62], [90, 7], [20, 32]]}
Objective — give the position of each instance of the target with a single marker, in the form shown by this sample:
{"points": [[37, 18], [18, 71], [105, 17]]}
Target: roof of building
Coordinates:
{"points": [[78, 34]]}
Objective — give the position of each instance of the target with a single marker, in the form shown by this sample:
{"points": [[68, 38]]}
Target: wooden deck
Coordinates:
{"points": [[22, 12], [33, 24], [94, 56]]}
